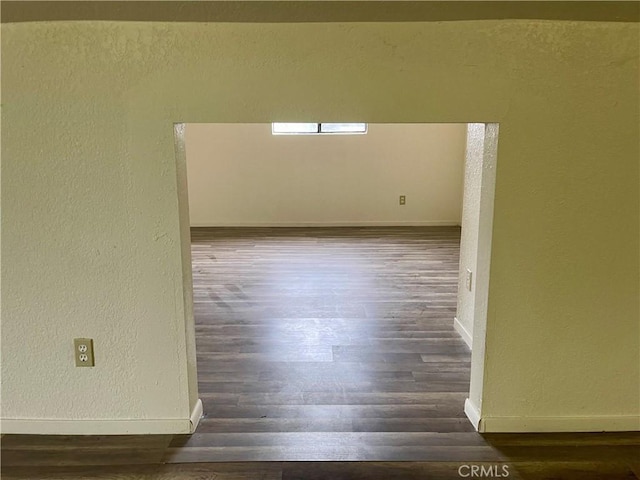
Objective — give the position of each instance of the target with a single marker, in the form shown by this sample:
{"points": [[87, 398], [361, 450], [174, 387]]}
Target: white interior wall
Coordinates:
{"points": [[242, 175], [91, 239]]}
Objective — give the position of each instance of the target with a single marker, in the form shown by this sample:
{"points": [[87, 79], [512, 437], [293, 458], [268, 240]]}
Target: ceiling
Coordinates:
{"points": [[317, 11]]}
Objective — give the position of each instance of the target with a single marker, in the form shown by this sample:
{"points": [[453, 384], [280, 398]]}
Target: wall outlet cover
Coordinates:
{"points": [[83, 352]]}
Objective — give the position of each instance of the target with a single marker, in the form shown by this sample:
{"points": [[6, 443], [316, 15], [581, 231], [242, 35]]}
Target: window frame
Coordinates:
{"points": [[319, 130]]}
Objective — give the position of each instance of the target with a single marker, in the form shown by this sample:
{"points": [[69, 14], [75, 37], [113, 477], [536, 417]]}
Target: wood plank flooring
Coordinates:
{"points": [[327, 330], [326, 353]]}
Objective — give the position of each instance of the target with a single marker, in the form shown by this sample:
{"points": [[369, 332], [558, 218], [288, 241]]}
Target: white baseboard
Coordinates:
{"points": [[375, 223], [464, 333], [473, 414], [196, 415], [608, 423], [613, 423], [43, 426]]}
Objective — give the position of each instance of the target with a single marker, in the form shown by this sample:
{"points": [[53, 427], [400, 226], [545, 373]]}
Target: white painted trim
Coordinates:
{"points": [[473, 414], [354, 223], [464, 333], [44, 426], [612, 423], [196, 415]]}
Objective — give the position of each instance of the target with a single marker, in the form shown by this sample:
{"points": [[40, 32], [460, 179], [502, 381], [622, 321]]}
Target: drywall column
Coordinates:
{"points": [[484, 153], [463, 322], [195, 405]]}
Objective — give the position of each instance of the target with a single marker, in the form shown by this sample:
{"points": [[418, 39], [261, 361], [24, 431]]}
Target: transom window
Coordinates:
{"points": [[318, 128]]}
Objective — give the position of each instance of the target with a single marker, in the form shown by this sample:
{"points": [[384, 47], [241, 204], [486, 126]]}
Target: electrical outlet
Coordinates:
{"points": [[83, 352], [469, 279], [403, 200]]}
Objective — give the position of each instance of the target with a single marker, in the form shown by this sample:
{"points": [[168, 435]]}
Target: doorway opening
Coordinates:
{"points": [[340, 283]]}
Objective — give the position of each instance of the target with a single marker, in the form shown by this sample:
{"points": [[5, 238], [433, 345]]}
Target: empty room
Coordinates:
{"points": [[325, 273], [192, 291]]}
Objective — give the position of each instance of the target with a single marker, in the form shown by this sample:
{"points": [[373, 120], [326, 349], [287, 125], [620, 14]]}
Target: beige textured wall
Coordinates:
{"points": [[243, 175], [91, 237]]}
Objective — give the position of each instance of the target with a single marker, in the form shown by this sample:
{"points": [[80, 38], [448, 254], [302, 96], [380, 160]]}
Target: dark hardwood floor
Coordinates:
{"points": [[326, 331], [327, 353]]}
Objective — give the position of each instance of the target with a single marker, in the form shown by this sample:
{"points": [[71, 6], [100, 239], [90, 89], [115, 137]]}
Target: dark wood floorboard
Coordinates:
{"points": [[326, 353], [533, 470]]}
